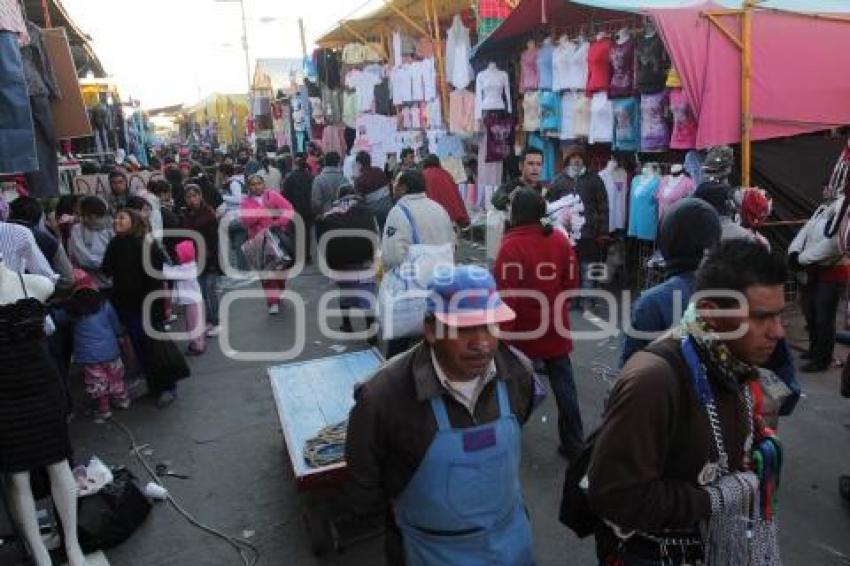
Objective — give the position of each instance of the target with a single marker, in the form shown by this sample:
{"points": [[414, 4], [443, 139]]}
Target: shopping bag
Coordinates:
{"points": [[403, 295], [166, 363], [110, 516]]}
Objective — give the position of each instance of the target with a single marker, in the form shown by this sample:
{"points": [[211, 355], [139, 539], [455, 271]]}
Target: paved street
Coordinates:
{"points": [[224, 433]]}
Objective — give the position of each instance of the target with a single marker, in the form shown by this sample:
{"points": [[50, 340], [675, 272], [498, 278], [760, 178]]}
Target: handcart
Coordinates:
{"points": [[310, 396]]}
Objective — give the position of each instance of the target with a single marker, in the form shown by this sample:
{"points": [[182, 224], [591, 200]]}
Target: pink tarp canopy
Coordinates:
{"points": [[801, 74], [800, 82]]}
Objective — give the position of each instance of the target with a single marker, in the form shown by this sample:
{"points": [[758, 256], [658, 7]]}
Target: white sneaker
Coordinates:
{"points": [[213, 331], [274, 309]]}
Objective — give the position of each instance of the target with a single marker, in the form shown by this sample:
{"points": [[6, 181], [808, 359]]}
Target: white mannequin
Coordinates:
{"points": [[63, 487], [677, 170], [623, 35], [547, 41], [602, 34]]}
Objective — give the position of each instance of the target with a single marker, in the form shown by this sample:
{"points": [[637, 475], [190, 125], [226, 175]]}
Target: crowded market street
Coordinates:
{"points": [[424, 282]]}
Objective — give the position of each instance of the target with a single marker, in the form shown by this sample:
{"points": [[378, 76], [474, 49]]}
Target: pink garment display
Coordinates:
{"points": [[599, 65], [333, 139], [684, 134], [462, 112], [673, 189], [529, 75], [798, 85]]}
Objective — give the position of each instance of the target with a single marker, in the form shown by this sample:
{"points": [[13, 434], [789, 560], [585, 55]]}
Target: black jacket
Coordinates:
{"points": [[123, 261], [348, 252], [298, 189], [590, 188]]}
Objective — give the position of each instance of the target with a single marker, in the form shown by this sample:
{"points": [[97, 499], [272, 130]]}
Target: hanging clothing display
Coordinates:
{"points": [[599, 65], [651, 68], [43, 182], [626, 124], [489, 174], [673, 189], [544, 64], [550, 111], [462, 112], [459, 72], [684, 134], [349, 109], [601, 119], [328, 63], [17, 140], [529, 77], [622, 69], [616, 182], [383, 103], [568, 115], [492, 91], [531, 111], [654, 131], [561, 57], [643, 209], [363, 83], [332, 104], [582, 116], [576, 74], [333, 139], [500, 137]]}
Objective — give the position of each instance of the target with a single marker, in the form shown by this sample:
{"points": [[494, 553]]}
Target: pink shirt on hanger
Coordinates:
{"points": [[529, 73], [684, 134]]}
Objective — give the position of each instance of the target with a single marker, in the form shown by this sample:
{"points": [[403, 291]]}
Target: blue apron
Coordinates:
{"points": [[463, 504]]}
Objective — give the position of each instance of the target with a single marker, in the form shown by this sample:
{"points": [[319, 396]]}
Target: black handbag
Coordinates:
{"points": [[166, 363], [110, 516]]}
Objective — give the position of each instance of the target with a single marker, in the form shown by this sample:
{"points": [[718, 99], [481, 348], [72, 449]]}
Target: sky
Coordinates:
{"points": [[165, 52]]}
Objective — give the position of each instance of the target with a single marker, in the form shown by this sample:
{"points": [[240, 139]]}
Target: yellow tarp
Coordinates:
{"points": [[221, 108]]}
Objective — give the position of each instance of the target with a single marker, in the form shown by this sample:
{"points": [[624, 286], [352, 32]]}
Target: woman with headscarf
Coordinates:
{"points": [[264, 209], [131, 284]]}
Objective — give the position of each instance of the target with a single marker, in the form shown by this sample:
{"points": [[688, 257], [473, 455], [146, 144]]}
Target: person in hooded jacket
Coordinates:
{"points": [[298, 190], [688, 229]]}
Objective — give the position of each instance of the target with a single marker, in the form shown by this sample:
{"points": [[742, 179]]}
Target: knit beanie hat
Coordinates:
{"points": [[717, 195], [687, 230]]}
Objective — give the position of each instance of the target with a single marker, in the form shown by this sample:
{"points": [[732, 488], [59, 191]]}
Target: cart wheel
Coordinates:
{"points": [[318, 530]]}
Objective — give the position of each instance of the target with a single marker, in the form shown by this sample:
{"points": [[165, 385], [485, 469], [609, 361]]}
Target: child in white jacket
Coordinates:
{"points": [[187, 292]]}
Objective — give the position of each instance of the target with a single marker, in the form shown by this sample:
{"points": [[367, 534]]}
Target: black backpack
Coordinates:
{"points": [[575, 511]]}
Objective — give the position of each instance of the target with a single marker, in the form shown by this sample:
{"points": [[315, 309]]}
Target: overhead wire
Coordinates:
{"points": [[248, 553]]}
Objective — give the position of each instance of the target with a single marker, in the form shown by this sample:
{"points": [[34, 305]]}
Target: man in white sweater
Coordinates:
{"points": [[415, 219], [431, 221]]}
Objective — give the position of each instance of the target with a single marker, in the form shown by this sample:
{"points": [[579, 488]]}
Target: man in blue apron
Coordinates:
{"points": [[434, 437]]}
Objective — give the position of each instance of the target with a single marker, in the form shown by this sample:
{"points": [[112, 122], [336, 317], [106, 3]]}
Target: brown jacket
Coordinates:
{"points": [[391, 425], [654, 441]]}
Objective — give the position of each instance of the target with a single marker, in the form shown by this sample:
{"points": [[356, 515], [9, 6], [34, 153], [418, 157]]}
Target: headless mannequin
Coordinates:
{"points": [[623, 35], [63, 487]]}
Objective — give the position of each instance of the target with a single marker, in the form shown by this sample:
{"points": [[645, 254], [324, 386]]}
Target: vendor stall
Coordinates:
{"points": [[654, 84]]}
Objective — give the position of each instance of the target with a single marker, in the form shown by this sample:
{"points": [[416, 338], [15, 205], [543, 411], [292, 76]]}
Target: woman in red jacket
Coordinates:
{"points": [[263, 209], [534, 257]]}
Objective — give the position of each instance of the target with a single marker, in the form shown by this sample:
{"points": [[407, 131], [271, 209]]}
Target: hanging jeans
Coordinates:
{"points": [[570, 428], [44, 183], [17, 138]]}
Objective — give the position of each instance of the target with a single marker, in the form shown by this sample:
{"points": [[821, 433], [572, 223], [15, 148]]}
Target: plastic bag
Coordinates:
{"points": [[109, 517]]}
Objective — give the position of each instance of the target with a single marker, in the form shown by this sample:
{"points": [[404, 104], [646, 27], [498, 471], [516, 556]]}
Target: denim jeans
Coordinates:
{"points": [[570, 428], [17, 135], [209, 291]]}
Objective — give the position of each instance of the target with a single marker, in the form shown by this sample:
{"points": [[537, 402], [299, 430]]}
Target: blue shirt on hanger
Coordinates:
{"points": [[544, 65]]}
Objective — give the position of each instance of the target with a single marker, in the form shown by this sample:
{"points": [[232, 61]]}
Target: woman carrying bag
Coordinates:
{"points": [[267, 213]]}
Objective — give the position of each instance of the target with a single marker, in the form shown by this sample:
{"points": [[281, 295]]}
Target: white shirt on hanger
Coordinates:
{"points": [[601, 119], [616, 182], [492, 91], [459, 72], [561, 64], [576, 76], [364, 84]]}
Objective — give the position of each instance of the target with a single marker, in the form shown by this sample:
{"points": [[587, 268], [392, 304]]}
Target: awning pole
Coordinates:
{"points": [[746, 92], [440, 60], [46, 11]]}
